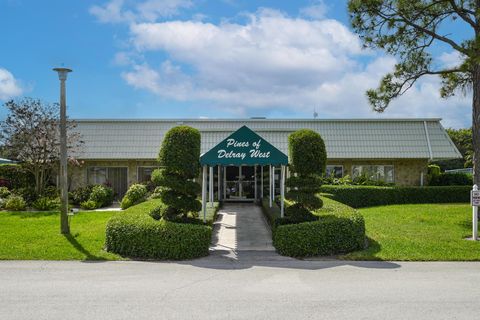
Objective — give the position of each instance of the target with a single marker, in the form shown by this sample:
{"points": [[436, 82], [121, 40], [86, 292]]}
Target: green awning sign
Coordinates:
{"points": [[243, 147]]}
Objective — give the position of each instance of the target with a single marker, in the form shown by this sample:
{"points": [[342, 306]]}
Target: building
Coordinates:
{"points": [[123, 152]]}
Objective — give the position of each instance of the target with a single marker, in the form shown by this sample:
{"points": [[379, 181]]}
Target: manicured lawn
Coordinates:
{"points": [[36, 235], [418, 232]]}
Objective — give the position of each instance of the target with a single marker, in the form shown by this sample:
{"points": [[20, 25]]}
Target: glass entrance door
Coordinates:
{"points": [[239, 183]]}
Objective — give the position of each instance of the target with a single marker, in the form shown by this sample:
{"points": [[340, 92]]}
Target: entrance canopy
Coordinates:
{"points": [[243, 147]]}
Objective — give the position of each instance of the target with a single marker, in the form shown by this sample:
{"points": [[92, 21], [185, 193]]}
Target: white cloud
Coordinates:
{"points": [[315, 11], [9, 86], [275, 64], [117, 11], [451, 59]]}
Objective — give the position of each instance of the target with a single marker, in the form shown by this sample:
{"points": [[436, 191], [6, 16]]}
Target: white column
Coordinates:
{"points": [[255, 179], [261, 182], [270, 184], [282, 191], [204, 193], [224, 183], [219, 184], [211, 186], [273, 183], [240, 182]]}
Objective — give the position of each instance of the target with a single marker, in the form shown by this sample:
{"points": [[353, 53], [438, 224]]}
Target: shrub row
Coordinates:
{"points": [[339, 229], [451, 179], [368, 196], [133, 233]]}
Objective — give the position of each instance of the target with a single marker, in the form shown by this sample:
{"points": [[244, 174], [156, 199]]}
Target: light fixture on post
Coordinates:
{"points": [[62, 76]]}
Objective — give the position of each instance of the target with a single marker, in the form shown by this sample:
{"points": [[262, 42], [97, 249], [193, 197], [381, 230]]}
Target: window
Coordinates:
{"points": [[374, 172], [114, 177], [145, 173], [97, 175], [334, 170]]}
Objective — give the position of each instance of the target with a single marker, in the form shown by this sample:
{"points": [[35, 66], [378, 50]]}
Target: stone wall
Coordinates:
{"points": [[407, 171]]}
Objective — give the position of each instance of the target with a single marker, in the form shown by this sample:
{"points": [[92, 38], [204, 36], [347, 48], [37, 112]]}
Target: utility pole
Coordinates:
{"points": [[62, 76]]}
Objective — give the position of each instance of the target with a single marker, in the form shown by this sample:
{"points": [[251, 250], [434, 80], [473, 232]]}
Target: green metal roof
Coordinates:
{"points": [[243, 147], [344, 138]]}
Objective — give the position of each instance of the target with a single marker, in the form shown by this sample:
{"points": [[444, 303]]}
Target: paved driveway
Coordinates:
{"points": [[253, 285]]}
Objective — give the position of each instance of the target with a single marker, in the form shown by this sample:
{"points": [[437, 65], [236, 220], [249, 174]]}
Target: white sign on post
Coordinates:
{"points": [[475, 201], [475, 198]]}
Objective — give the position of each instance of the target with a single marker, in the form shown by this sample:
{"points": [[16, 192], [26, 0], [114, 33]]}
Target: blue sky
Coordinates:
{"points": [[190, 59]]}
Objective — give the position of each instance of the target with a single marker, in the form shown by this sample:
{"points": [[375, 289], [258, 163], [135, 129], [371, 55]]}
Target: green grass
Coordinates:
{"points": [[420, 232], [36, 235]]}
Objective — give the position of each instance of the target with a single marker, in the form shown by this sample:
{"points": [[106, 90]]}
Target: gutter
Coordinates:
{"points": [[428, 140]]}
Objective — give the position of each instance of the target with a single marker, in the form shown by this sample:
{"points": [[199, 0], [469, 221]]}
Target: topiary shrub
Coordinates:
{"points": [[297, 213], [308, 161], [179, 157], [45, 204], [15, 203], [136, 193]]}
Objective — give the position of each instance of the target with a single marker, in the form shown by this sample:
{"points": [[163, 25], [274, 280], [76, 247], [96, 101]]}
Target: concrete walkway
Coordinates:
{"points": [[241, 227]]}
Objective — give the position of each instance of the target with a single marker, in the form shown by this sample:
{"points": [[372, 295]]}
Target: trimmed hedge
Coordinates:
{"points": [[133, 233], [369, 196], [339, 229]]}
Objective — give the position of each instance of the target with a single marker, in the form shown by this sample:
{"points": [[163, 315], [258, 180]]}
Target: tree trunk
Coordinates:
{"points": [[476, 124]]}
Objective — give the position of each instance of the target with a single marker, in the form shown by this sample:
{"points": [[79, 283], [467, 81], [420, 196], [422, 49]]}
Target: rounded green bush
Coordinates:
{"points": [[136, 193], [80, 194], [4, 192], [307, 152], [102, 195], [180, 151], [15, 203], [90, 205], [138, 235], [45, 204]]}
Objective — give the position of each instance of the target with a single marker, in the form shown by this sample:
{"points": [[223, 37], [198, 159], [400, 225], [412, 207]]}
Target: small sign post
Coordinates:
{"points": [[475, 201]]}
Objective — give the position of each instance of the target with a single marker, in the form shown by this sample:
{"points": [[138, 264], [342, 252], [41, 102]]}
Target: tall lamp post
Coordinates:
{"points": [[64, 227]]}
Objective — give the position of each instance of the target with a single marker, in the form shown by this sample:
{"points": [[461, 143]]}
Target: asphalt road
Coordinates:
{"points": [[253, 286]]}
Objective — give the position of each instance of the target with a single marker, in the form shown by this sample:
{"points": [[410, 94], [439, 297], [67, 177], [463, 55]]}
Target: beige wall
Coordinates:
{"points": [[407, 171]]}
